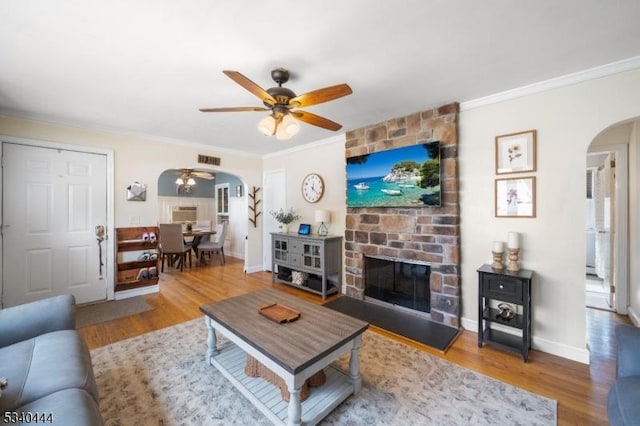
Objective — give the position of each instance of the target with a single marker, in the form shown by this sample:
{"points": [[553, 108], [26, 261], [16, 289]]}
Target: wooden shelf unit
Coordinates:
{"points": [[130, 240]]}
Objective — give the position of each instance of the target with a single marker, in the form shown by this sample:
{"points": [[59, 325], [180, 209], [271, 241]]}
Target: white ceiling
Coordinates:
{"points": [[146, 66]]}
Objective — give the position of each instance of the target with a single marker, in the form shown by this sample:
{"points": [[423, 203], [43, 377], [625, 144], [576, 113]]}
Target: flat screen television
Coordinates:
{"points": [[400, 177]]}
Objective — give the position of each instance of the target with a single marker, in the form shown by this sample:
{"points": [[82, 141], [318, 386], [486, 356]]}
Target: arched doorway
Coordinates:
{"points": [[210, 200], [607, 225]]}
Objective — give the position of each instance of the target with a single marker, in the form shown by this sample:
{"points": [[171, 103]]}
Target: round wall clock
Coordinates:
{"points": [[312, 187]]}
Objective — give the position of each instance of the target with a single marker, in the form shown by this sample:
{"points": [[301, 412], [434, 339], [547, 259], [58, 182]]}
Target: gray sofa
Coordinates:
{"points": [[623, 406], [47, 366]]}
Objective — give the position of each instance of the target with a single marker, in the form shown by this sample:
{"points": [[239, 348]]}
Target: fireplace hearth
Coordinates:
{"points": [[398, 282]]}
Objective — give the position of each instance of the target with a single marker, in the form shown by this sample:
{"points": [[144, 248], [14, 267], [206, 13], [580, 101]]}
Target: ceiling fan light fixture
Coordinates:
{"points": [[290, 125], [286, 128], [267, 126], [191, 181], [179, 181]]}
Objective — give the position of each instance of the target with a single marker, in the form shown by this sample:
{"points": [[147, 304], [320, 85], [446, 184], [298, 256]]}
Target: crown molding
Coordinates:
{"points": [[116, 131], [330, 140], [554, 83]]}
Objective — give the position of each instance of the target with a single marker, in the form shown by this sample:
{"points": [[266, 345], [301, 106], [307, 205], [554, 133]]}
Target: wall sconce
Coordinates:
{"points": [[239, 191], [323, 216]]}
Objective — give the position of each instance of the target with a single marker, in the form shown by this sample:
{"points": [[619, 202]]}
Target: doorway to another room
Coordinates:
{"points": [[211, 198], [606, 227], [600, 178]]}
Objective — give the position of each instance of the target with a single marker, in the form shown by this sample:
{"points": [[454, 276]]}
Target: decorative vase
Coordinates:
{"points": [[284, 228]]}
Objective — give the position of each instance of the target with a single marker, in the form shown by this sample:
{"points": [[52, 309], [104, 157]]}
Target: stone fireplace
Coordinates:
{"points": [[423, 235]]}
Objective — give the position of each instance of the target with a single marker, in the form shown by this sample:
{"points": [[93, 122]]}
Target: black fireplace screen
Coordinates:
{"points": [[397, 282]]}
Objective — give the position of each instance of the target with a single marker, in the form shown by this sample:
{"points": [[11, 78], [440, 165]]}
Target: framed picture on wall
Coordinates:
{"points": [[515, 197], [516, 152]]}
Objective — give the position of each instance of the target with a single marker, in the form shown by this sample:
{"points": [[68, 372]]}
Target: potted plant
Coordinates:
{"points": [[284, 218]]}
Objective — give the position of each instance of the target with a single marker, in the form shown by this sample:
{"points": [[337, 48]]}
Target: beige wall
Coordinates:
{"points": [[567, 120], [143, 160]]}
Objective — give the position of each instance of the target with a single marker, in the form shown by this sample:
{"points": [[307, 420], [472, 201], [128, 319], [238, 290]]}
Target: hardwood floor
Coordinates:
{"points": [[581, 390]]}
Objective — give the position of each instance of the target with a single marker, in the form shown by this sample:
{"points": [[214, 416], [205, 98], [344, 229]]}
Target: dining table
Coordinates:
{"points": [[197, 235]]}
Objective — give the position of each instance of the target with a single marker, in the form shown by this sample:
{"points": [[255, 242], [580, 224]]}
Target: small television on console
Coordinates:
{"points": [[400, 177]]}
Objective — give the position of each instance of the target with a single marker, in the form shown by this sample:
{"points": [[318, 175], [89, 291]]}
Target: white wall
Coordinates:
{"points": [[567, 120], [143, 160], [327, 158]]}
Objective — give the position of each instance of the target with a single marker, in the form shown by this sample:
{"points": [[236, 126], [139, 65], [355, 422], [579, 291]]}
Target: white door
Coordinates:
{"points": [[275, 198], [611, 227], [52, 200], [611, 223], [604, 193]]}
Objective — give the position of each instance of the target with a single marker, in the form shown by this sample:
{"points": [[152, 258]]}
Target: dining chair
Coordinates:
{"points": [[214, 243], [172, 244]]}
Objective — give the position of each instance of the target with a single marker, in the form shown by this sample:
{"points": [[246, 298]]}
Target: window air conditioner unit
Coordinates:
{"points": [[182, 214]]}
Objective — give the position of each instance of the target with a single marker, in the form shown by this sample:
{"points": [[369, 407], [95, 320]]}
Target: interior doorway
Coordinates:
{"points": [[212, 198], [606, 228]]}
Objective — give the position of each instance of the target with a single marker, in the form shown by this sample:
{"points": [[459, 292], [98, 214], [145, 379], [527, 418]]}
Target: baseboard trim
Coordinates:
{"points": [[253, 269], [633, 316], [125, 294], [554, 348]]}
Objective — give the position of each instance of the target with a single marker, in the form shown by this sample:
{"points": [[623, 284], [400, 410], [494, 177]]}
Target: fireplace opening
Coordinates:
{"points": [[398, 282]]}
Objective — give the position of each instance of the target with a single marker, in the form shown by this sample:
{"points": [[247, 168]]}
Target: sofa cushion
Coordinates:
{"points": [[69, 407], [622, 405], [44, 365]]}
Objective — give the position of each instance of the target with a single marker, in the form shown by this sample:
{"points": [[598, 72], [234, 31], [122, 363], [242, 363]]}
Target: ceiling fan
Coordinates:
{"points": [[283, 104], [185, 174], [186, 179]]}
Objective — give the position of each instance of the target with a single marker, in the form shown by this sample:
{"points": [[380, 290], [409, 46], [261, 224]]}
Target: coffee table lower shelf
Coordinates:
{"points": [[231, 360]]}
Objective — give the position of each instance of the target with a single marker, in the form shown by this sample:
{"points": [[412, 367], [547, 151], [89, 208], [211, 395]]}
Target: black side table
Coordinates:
{"points": [[513, 288]]}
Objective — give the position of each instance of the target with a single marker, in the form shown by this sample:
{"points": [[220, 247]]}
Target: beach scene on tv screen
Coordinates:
{"points": [[401, 177]]}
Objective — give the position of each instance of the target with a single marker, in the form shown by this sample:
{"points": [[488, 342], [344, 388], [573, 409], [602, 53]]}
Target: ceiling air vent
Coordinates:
{"points": [[206, 159]]}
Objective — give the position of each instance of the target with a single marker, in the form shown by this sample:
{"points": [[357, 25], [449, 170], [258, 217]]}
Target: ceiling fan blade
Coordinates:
{"points": [[203, 175], [316, 120], [250, 86], [321, 95], [234, 109]]}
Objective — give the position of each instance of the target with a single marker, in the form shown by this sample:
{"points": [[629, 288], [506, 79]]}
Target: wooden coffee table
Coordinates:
{"points": [[294, 351]]}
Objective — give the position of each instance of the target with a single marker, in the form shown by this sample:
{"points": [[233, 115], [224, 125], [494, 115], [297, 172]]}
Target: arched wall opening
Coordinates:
{"points": [[220, 197], [611, 218]]}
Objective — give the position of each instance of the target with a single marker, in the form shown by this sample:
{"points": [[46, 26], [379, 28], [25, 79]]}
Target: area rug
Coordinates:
{"points": [[430, 333], [107, 311], [161, 378]]}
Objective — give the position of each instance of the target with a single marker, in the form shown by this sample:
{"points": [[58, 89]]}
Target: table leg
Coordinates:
{"points": [[212, 350], [295, 409], [354, 365], [195, 243]]}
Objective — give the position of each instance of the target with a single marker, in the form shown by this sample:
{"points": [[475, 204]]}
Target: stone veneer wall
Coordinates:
{"points": [[429, 234]]}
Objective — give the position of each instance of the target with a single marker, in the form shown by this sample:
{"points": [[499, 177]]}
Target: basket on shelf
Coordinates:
{"points": [[298, 277]]}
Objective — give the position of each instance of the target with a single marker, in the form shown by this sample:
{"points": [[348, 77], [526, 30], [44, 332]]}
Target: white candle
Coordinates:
{"points": [[513, 241], [498, 247]]}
